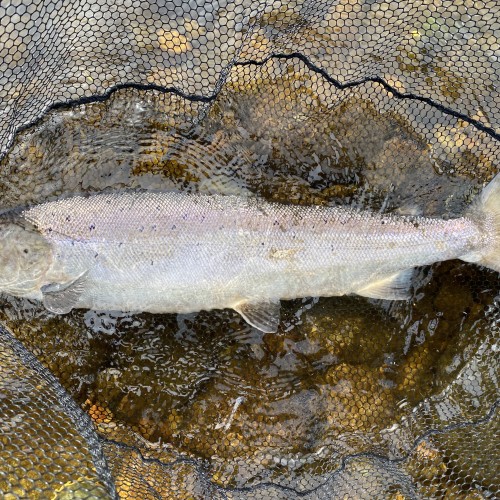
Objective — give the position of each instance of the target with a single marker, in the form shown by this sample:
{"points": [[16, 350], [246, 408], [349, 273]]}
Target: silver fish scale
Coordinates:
{"points": [[172, 252]]}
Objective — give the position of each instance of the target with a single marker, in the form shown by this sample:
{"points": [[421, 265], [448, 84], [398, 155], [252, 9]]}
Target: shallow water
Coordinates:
{"points": [[341, 372]]}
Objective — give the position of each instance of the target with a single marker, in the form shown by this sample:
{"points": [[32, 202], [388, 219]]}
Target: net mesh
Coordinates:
{"points": [[49, 446], [372, 104]]}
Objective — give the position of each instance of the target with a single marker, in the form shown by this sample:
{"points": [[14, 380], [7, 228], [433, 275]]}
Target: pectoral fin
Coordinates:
{"points": [[394, 287], [60, 298], [264, 315]]}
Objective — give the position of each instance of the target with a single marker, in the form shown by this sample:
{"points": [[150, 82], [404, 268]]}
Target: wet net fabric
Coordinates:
{"points": [[49, 447], [435, 62], [373, 104]]}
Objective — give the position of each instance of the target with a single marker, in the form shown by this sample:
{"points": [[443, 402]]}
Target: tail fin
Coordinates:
{"points": [[486, 211]]}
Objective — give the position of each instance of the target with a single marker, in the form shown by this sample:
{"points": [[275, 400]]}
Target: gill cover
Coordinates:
{"points": [[25, 256]]}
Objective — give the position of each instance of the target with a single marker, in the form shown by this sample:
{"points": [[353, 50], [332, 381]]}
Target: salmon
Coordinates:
{"points": [[180, 253]]}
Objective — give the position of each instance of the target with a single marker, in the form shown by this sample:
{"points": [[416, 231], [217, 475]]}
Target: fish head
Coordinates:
{"points": [[25, 257]]}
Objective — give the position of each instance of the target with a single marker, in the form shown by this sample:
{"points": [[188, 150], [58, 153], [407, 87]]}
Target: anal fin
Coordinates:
{"points": [[394, 287], [263, 315], [60, 298]]}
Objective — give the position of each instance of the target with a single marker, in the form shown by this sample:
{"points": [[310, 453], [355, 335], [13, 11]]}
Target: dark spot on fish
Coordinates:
{"points": [[92, 227], [416, 224], [120, 244], [262, 243], [221, 227], [49, 230], [325, 221], [382, 221], [262, 211], [68, 218], [151, 262], [185, 216], [153, 227], [96, 255], [26, 250], [141, 229], [158, 207], [174, 227]]}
